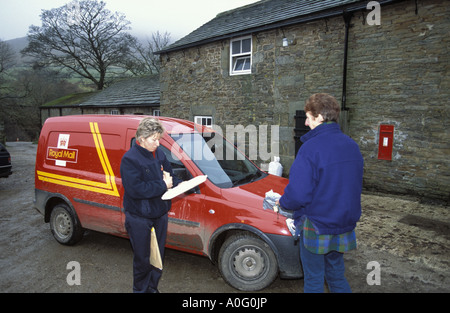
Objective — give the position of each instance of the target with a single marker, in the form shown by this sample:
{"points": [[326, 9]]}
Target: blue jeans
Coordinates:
{"points": [[316, 267]]}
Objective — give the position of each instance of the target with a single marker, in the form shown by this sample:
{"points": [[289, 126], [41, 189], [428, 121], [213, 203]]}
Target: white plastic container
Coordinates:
{"points": [[275, 167]]}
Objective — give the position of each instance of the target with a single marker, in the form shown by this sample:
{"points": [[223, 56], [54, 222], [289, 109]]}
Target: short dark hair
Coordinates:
{"points": [[325, 104]]}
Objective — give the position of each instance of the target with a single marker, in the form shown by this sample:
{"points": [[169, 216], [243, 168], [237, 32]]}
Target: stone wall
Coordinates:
{"points": [[398, 73]]}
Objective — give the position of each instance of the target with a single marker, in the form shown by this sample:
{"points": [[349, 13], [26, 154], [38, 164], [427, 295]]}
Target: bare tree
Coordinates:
{"points": [[144, 61], [7, 60], [7, 56], [83, 37]]}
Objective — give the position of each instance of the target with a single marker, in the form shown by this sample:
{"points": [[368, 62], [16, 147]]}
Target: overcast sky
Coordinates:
{"points": [[178, 17]]}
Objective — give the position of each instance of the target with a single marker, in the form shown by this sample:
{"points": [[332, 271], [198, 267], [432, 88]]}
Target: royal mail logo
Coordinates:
{"points": [[63, 141], [57, 154], [62, 155]]}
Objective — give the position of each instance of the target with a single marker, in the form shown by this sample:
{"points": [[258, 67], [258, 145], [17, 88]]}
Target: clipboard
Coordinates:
{"points": [[183, 187]]}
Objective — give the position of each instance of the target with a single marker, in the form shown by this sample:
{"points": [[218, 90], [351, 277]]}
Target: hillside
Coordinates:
{"points": [[17, 45]]}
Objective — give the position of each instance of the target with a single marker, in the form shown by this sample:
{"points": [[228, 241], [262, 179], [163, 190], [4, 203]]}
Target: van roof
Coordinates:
{"points": [[113, 122]]}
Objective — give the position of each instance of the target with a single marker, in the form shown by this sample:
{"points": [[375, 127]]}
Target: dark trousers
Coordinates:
{"points": [[316, 267], [145, 276]]}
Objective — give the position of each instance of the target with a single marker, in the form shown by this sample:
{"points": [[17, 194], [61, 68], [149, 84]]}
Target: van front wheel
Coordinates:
{"points": [[65, 225], [247, 263]]}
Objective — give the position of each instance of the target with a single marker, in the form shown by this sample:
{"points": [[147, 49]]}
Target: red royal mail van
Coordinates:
{"points": [[78, 186]]}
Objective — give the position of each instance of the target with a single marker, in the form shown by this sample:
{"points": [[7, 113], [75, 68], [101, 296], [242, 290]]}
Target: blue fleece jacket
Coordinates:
{"points": [[325, 181], [142, 179]]}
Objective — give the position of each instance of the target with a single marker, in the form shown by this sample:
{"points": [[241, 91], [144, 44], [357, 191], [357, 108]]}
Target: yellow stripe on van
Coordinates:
{"points": [[103, 156], [108, 187]]}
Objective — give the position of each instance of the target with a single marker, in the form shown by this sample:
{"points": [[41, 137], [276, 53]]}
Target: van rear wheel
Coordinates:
{"points": [[65, 226], [247, 263]]}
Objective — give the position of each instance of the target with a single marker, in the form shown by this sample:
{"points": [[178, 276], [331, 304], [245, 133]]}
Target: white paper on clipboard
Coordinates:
{"points": [[183, 187]]}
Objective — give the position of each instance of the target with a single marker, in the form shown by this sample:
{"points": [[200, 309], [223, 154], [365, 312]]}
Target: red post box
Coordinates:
{"points": [[385, 142]]}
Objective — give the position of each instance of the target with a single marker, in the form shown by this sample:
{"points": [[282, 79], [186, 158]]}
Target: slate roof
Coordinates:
{"points": [[136, 91], [71, 100], [264, 15]]}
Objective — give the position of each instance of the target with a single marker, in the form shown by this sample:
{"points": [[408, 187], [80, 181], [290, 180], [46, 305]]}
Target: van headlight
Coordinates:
{"points": [[291, 226]]}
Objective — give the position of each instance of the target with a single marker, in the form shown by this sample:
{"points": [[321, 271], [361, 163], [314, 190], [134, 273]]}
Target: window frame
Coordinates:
{"points": [[235, 57], [201, 118]]}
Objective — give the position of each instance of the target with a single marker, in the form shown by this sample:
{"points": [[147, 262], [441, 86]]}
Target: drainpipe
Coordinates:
{"points": [[347, 17], [343, 118]]}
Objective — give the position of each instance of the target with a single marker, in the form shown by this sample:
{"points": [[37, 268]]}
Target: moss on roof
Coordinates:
{"points": [[72, 99]]}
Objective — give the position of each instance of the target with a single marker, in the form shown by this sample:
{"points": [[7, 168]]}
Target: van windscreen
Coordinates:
{"points": [[225, 166]]}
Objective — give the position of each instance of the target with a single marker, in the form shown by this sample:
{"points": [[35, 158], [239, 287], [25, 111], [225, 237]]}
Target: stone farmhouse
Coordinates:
{"points": [[387, 62]]}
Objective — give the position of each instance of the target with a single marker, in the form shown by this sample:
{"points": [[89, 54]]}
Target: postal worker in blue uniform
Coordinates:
{"points": [[143, 178]]}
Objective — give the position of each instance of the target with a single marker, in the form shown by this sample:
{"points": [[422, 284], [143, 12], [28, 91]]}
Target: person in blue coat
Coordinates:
{"points": [[324, 191], [146, 176]]}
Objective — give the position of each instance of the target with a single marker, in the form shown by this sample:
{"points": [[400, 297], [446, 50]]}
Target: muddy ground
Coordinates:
{"points": [[410, 240]]}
